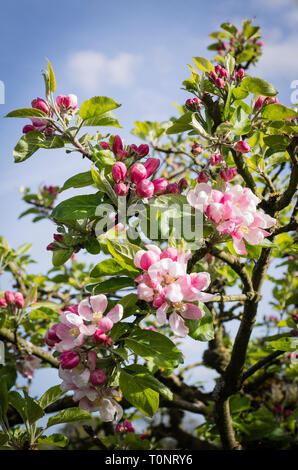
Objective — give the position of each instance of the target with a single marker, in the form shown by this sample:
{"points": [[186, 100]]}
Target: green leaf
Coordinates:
{"points": [[239, 404], [95, 107], [239, 94], [69, 416], [18, 402], [124, 253], [52, 80], [230, 64], [203, 64], [181, 124], [147, 344], [50, 396], [277, 142], [60, 257], [53, 440], [77, 207], [276, 111], [108, 267], [142, 374], [137, 393], [110, 285], [201, 329], [284, 344], [241, 122], [78, 181], [106, 119], [32, 409], [26, 113], [230, 28], [30, 142], [258, 86]]}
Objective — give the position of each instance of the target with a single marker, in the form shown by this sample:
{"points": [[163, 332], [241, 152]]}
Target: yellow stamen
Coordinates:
{"points": [[97, 317], [74, 332]]}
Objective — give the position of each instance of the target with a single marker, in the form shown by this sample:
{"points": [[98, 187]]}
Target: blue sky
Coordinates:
{"points": [[135, 52]]}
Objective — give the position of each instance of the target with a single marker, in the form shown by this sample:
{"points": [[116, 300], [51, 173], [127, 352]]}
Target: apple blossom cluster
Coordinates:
{"points": [[166, 284], [64, 106], [82, 328], [234, 212], [237, 43]]}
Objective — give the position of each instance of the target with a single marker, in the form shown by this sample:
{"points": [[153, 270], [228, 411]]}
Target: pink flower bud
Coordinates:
{"points": [[202, 177], [215, 159], [148, 258], [58, 237], [9, 297], [128, 426], [117, 145], [138, 172], [52, 247], [160, 186], [66, 103], [183, 184], [105, 145], [19, 299], [40, 104], [224, 45], [121, 155], [170, 252], [259, 103], [240, 73], [69, 359], [217, 69], [173, 188], [193, 103], [3, 302], [121, 189], [227, 174], [101, 338], [145, 189], [119, 172], [196, 149], [242, 147], [51, 337], [223, 72], [151, 165], [212, 76], [219, 82], [260, 43], [28, 128], [98, 377], [143, 150]]}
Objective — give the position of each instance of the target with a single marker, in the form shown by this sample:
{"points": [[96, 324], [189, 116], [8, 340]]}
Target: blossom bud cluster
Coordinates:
{"points": [[11, 299], [82, 328], [220, 76], [166, 284]]}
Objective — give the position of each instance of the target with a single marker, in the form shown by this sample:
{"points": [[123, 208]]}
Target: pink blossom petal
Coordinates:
{"points": [[173, 293], [239, 246], [191, 312], [138, 257], [99, 303], [116, 313], [161, 314], [84, 310], [105, 324], [178, 326]]}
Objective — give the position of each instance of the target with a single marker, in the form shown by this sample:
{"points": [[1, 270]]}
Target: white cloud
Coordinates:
{"points": [[91, 69], [279, 58]]}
